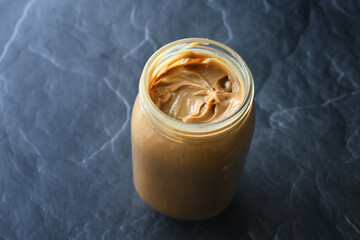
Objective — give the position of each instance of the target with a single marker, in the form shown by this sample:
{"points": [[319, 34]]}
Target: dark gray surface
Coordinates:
{"points": [[69, 74]]}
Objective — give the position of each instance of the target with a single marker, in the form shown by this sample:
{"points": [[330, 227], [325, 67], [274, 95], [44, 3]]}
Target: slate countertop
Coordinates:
{"points": [[69, 74]]}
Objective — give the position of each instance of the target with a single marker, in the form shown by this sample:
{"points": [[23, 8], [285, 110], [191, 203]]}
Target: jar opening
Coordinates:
{"points": [[163, 57]]}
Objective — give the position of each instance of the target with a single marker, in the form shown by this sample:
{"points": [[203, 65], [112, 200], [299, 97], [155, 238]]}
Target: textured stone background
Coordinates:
{"points": [[69, 73]]}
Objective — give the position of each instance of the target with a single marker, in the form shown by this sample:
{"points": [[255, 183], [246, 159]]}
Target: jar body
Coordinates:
{"points": [[184, 179]]}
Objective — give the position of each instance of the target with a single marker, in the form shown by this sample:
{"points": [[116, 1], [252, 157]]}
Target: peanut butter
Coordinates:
{"points": [[196, 88], [191, 128]]}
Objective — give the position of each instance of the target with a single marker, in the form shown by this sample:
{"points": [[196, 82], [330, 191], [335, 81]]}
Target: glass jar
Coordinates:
{"points": [[190, 171]]}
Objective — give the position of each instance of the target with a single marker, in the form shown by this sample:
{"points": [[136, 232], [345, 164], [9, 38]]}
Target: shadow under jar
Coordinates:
{"points": [[190, 171]]}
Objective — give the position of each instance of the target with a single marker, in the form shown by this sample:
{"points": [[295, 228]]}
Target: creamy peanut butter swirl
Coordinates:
{"points": [[196, 88]]}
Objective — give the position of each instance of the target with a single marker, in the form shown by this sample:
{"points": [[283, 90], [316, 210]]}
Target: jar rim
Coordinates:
{"points": [[176, 128]]}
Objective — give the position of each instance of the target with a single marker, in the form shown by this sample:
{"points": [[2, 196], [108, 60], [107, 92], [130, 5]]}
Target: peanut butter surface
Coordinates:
{"points": [[196, 88]]}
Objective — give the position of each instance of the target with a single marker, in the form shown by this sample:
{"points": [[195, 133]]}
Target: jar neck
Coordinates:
{"points": [[178, 130]]}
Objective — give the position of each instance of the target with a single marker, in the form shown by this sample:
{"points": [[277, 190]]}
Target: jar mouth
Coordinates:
{"points": [[173, 127]]}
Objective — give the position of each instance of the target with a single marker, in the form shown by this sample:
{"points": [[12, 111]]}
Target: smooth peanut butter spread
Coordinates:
{"points": [[196, 88], [193, 176]]}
